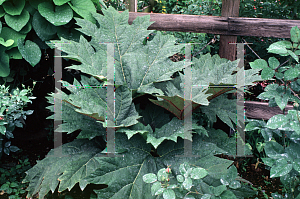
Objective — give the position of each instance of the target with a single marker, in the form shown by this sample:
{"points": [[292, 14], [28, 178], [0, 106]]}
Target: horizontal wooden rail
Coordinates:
{"points": [[238, 26], [261, 110]]}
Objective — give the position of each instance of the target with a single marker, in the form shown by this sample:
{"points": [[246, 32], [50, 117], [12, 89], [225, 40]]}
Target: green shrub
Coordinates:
{"points": [[282, 157], [12, 115], [10, 181]]}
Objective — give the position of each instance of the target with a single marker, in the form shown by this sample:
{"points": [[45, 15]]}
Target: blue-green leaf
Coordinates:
{"points": [[274, 150], [293, 55], [281, 168], [267, 73], [295, 34], [280, 47], [291, 73], [277, 121], [150, 178], [259, 64], [273, 62]]}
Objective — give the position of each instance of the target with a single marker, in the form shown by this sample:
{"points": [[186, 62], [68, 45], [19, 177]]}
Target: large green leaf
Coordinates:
{"points": [[224, 108], [280, 47], [123, 175], [44, 29], [128, 43], [59, 168], [58, 16], [170, 131], [91, 101], [88, 125], [17, 22], [14, 7], [212, 76], [157, 126], [4, 62], [83, 8], [153, 115], [30, 51], [171, 95]]}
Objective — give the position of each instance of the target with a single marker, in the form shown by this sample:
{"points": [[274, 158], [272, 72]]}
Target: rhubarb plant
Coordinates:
{"points": [[148, 136]]}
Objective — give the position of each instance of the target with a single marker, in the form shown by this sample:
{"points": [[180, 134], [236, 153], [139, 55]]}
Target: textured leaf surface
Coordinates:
{"points": [[58, 16], [124, 175], [44, 29], [83, 8], [88, 125], [222, 107], [212, 76], [30, 51], [76, 161], [91, 101], [17, 22], [128, 43], [172, 93], [160, 127]]}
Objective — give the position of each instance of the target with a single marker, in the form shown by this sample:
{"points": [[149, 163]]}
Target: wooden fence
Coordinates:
{"points": [[228, 26]]}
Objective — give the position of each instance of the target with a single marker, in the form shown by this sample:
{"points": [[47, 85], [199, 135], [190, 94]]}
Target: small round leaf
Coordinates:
{"points": [[198, 173], [180, 178], [150, 178], [169, 194], [273, 62]]}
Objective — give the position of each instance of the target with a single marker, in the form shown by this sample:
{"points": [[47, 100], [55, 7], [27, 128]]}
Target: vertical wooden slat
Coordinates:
{"points": [[230, 8], [132, 5]]}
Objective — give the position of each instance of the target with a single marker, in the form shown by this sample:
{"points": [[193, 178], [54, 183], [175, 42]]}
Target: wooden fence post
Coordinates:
{"points": [[131, 5], [230, 8]]}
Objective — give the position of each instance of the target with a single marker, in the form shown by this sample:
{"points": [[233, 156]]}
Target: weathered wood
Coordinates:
{"points": [[230, 8], [261, 110], [235, 26], [133, 5]]}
